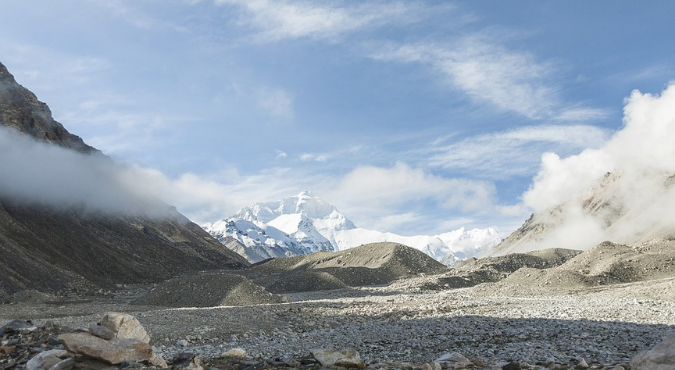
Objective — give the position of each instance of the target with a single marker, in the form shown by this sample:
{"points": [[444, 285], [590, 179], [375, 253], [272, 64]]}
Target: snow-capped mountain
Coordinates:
{"points": [[305, 224]]}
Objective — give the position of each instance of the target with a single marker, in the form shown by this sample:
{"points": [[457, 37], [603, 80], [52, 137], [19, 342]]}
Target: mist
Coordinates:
{"points": [[622, 191], [38, 173]]}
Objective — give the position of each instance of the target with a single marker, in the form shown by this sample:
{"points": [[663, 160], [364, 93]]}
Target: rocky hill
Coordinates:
{"points": [[370, 264], [49, 248]]}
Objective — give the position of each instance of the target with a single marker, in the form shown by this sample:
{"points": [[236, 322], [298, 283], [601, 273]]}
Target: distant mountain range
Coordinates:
{"points": [[305, 224]]}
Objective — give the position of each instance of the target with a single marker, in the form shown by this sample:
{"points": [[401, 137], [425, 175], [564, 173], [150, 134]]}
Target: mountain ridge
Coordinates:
{"points": [[304, 224]]}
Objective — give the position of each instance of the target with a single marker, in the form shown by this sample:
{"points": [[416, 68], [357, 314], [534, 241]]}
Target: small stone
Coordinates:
{"points": [[511, 366], [348, 358], [582, 364], [454, 360], [101, 332], [66, 364], [187, 361], [47, 359], [251, 365], [182, 343], [235, 353], [16, 326]]}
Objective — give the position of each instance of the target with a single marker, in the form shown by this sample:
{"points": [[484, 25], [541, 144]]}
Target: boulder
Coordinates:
{"points": [[125, 326], [661, 357], [114, 351]]}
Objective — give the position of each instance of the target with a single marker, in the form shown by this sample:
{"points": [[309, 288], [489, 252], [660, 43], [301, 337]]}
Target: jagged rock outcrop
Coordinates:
{"points": [[21, 110], [52, 249]]}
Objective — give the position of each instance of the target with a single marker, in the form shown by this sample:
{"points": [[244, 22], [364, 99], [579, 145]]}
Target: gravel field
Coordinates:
{"points": [[491, 322]]}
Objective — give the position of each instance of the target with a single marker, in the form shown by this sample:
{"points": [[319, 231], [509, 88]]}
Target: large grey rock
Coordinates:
{"points": [[661, 357], [114, 351], [125, 326]]}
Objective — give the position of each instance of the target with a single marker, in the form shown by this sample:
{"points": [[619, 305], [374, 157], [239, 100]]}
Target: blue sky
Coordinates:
{"points": [[415, 117]]}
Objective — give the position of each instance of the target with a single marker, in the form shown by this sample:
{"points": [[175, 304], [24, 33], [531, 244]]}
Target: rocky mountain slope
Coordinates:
{"points": [[370, 264], [305, 224], [50, 248], [21, 110], [607, 211]]}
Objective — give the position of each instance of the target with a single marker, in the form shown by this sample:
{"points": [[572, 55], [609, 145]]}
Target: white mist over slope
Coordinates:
{"points": [[304, 224], [620, 192], [40, 173]]}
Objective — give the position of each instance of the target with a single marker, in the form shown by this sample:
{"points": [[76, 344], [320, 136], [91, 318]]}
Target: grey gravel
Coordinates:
{"points": [[496, 323]]}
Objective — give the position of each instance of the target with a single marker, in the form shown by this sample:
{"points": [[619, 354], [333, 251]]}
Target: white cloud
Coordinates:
{"points": [[309, 157], [39, 173], [385, 199], [489, 72], [641, 157], [283, 19], [580, 114], [514, 152], [374, 188]]}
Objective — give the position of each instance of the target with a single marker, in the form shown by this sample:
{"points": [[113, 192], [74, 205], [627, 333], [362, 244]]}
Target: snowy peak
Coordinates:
{"points": [[304, 224], [304, 203]]}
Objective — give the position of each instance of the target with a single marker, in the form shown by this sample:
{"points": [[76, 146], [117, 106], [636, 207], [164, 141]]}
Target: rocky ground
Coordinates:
{"points": [[494, 325]]}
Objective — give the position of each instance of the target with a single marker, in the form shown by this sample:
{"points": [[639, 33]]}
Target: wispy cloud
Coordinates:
{"points": [[516, 152], [283, 19], [49, 69], [489, 72], [486, 71], [581, 114], [307, 157], [278, 103]]}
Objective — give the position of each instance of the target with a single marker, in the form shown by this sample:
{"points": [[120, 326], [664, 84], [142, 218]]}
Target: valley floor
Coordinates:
{"points": [[491, 322]]}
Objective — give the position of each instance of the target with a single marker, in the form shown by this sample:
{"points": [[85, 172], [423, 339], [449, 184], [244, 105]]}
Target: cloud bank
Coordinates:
{"points": [[45, 174], [624, 186]]}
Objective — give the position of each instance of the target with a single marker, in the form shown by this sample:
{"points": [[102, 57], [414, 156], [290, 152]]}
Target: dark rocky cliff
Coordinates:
{"points": [[51, 250]]}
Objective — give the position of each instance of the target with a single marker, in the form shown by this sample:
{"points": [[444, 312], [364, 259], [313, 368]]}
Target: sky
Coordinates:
{"points": [[413, 117]]}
